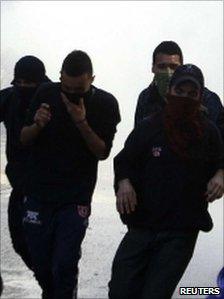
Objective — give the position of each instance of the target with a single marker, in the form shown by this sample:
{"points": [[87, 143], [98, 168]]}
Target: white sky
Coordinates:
{"points": [[119, 36]]}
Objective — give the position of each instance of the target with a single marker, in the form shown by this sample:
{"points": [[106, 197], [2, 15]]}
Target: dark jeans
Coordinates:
{"points": [[16, 229], [54, 236], [149, 265]]}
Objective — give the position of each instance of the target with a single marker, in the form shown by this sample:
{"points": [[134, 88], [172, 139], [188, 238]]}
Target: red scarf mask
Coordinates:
{"points": [[183, 124]]}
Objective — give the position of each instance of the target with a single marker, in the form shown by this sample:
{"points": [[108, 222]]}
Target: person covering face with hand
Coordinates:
{"points": [[70, 127], [162, 180]]}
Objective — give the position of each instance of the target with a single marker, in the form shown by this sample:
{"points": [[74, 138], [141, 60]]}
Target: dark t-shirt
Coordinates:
{"points": [[62, 169], [170, 190]]}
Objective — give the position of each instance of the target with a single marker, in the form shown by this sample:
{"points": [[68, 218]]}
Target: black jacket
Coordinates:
{"points": [[170, 191]]}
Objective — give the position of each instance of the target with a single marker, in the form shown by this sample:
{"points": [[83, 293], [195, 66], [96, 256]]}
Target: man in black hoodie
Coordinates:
{"points": [[29, 74], [162, 185]]}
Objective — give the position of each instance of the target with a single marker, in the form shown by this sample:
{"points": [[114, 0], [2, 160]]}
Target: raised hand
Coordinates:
{"points": [[77, 112], [43, 115]]}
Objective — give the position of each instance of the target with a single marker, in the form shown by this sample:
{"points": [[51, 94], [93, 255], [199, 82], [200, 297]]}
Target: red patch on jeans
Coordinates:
{"points": [[83, 211]]}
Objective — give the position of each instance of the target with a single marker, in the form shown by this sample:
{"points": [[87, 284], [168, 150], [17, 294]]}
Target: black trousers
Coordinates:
{"points": [[149, 265], [16, 229], [54, 234]]}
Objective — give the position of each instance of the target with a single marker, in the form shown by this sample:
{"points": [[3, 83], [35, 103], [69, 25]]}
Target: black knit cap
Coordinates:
{"points": [[30, 68], [187, 72]]}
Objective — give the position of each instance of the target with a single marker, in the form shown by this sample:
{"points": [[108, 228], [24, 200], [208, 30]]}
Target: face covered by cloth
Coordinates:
{"points": [[75, 97], [25, 93], [29, 73], [162, 82], [183, 124]]}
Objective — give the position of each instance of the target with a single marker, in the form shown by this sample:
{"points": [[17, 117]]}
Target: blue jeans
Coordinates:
{"points": [[149, 264], [54, 235]]}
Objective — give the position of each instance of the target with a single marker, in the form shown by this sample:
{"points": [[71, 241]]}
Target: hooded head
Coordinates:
{"points": [[31, 69], [29, 73]]}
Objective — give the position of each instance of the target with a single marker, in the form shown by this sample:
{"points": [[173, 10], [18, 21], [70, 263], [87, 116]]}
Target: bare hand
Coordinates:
{"points": [[126, 197], [43, 115], [77, 112], [215, 187]]}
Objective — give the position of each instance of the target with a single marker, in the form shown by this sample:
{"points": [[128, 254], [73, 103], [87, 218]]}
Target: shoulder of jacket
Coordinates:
{"points": [[102, 96], [145, 94], [208, 94], [6, 96], [6, 91]]}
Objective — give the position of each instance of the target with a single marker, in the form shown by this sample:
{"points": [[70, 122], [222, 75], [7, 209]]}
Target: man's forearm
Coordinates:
{"points": [[29, 134], [96, 145]]}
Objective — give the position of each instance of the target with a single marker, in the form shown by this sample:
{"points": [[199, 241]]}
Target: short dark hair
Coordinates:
{"points": [[77, 63], [169, 48]]}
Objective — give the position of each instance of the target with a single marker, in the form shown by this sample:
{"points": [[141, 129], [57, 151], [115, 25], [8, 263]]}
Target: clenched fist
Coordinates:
{"points": [[43, 115]]}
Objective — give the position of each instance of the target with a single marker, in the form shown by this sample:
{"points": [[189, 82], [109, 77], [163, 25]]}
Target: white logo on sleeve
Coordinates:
{"points": [[32, 217], [156, 151]]}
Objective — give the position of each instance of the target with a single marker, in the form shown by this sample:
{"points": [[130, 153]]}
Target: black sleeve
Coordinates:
{"points": [[139, 112], [215, 109], [220, 121], [216, 149], [36, 101], [4, 101], [129, 160], [107, 123]]}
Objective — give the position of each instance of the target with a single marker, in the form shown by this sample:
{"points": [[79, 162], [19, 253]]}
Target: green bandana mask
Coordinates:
{"points": [[162, 82]]}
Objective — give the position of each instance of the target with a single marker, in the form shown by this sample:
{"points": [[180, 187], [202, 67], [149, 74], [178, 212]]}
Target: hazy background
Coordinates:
{"points": [[120, 37]]}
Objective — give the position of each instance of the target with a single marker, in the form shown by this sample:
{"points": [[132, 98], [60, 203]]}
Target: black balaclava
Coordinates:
{"points": [[31, 69]]}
